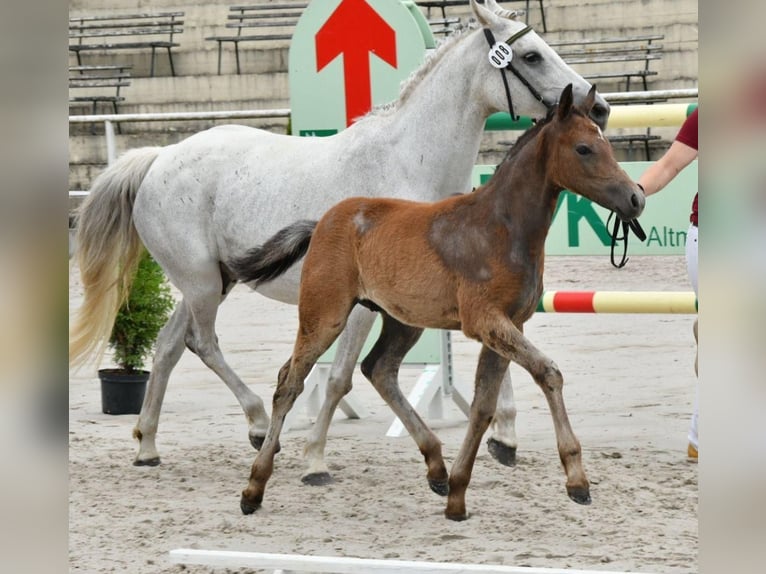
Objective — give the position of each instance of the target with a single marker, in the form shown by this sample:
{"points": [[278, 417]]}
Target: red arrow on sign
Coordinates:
{"points": [[354, 29]]}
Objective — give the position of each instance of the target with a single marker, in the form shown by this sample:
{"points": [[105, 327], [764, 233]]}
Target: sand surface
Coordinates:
{"points": [[629, 386]]}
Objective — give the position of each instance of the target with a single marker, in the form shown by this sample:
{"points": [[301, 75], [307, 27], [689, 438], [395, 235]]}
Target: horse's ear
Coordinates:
{"points": [[590, 100], [483, 15], [565, 102], [502, 12]]}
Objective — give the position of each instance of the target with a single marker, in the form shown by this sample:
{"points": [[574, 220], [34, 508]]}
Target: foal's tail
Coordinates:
{"points": [[108, 251], [277, 255]]}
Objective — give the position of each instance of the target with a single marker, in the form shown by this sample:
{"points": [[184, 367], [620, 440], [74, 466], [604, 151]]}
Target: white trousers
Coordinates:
{"points": [[691, 269]]}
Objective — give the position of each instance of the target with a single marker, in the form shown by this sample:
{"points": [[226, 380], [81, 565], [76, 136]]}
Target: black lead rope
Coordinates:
{"points": [[627, 227]]}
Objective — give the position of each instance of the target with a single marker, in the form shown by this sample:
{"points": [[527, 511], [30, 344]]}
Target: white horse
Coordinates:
{"points": [[211, 197]]}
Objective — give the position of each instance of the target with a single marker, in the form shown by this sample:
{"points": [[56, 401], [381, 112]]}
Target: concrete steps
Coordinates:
{"points": [[265, 84]]}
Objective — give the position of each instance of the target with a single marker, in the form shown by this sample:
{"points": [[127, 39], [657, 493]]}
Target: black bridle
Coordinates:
{"points": [[627, 226], [501, 49]]}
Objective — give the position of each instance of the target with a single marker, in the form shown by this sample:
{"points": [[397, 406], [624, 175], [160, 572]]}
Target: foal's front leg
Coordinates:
{"points": [[511, 343], [489, 375]]}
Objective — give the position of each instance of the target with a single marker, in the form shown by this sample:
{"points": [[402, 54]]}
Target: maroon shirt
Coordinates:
{"points": [[688, 135]]}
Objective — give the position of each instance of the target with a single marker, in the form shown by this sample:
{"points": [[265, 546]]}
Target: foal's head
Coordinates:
{"points": [[580, 158]]}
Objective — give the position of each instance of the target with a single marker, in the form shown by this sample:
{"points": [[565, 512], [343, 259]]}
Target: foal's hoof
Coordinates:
{"points": [[457, 517], [440, 487], [502, 453], [580, 495], [317, 479], [248, 506], [147, 462], [257, 442]]}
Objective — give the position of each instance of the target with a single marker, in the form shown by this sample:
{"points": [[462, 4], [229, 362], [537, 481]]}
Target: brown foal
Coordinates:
{"points": [[472, 262]]}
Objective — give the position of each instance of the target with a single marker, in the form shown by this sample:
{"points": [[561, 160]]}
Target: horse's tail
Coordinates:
{"points": [[108, 251], [277, 255]]}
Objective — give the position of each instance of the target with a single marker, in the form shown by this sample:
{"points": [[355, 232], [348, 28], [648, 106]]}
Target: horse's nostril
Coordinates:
{"points": [[634, 200], [599, 111]]}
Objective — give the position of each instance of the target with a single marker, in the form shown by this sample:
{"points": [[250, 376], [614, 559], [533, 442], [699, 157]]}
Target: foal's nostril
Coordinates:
{"points": [[634, 200]]}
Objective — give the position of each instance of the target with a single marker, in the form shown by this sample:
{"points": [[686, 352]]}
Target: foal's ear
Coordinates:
{"points": [[565, 102]]}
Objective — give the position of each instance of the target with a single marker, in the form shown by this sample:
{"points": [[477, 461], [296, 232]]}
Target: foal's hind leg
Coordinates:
{"points": [[350, 345], [318, 328], [489, 374], [381, 367]]}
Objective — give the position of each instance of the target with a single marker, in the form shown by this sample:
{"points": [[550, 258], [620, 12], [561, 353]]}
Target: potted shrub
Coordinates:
{"points": [[134, 333]]}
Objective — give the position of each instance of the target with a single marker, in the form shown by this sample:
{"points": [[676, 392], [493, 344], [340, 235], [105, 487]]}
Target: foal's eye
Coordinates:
{"points": [[533, 57], [582, 149]]}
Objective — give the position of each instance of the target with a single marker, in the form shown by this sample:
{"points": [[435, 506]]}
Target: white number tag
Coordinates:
{"points": [[500, 55]]}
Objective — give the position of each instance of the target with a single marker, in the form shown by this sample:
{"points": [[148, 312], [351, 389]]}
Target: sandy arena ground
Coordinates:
{"points": [[629, 387]]}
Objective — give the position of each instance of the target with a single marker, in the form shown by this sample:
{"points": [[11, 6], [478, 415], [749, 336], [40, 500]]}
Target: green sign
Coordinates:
{"points": [[579, 225], [347, 56]]}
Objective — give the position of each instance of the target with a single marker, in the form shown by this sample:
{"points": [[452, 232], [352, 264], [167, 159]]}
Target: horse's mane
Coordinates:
{"points": [[431, 59]]}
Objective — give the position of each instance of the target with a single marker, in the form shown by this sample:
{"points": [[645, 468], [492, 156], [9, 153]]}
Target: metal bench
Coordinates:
{"points": [[103, 84], [126, 32], [613, 54], [270, 21], [442, 5]]}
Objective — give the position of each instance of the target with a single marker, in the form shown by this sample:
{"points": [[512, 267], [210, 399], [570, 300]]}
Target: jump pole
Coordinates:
{"points": [[662, 302], [345, 565]]}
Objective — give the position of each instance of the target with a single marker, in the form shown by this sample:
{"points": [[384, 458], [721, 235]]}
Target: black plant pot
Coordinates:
{"points": [[122, 393]]}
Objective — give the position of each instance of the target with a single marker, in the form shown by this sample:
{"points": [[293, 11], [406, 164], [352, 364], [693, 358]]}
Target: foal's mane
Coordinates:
{"points": [[530, 135]]}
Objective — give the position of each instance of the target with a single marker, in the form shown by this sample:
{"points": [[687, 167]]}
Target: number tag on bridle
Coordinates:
{"points": [[500, 55]]}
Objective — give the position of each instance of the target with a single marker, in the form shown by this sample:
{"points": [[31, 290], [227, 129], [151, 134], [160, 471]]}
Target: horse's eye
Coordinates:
{"points": [[533, 57], [582, 149]]}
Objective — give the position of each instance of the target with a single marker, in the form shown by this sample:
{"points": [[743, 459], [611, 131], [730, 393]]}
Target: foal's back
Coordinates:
{"points": [[418, 261]]}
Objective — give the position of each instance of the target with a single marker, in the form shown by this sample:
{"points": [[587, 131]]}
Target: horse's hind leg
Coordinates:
{"points": [[350, 344], [203, 301], [489, 375], [381, 367], [170, 347], [502, 442]]}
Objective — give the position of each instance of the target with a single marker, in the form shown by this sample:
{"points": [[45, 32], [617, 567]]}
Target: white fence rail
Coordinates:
{"points": [[343, 565], [109, 119]]}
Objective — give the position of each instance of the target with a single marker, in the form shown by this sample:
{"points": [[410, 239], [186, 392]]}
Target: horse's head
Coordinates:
{"points": [[535, 70], [580, 158]]}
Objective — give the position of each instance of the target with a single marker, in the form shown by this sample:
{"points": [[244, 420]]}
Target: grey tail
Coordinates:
{"points": [[273, 258]]}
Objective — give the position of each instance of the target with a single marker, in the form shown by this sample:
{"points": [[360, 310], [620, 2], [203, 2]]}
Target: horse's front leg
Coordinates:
{"points": [[502, 442], [489, 376], [350, 344]]}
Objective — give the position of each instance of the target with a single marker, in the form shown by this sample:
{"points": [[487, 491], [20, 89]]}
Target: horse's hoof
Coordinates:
{"points": [[579, 495], [257, 442], [458, 517], [502, 453], [147, 462], [440, 487], [248, 506], [318, 479]]}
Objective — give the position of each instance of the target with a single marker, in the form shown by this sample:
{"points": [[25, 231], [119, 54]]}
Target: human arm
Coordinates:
{"points": [[662, 172]]}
